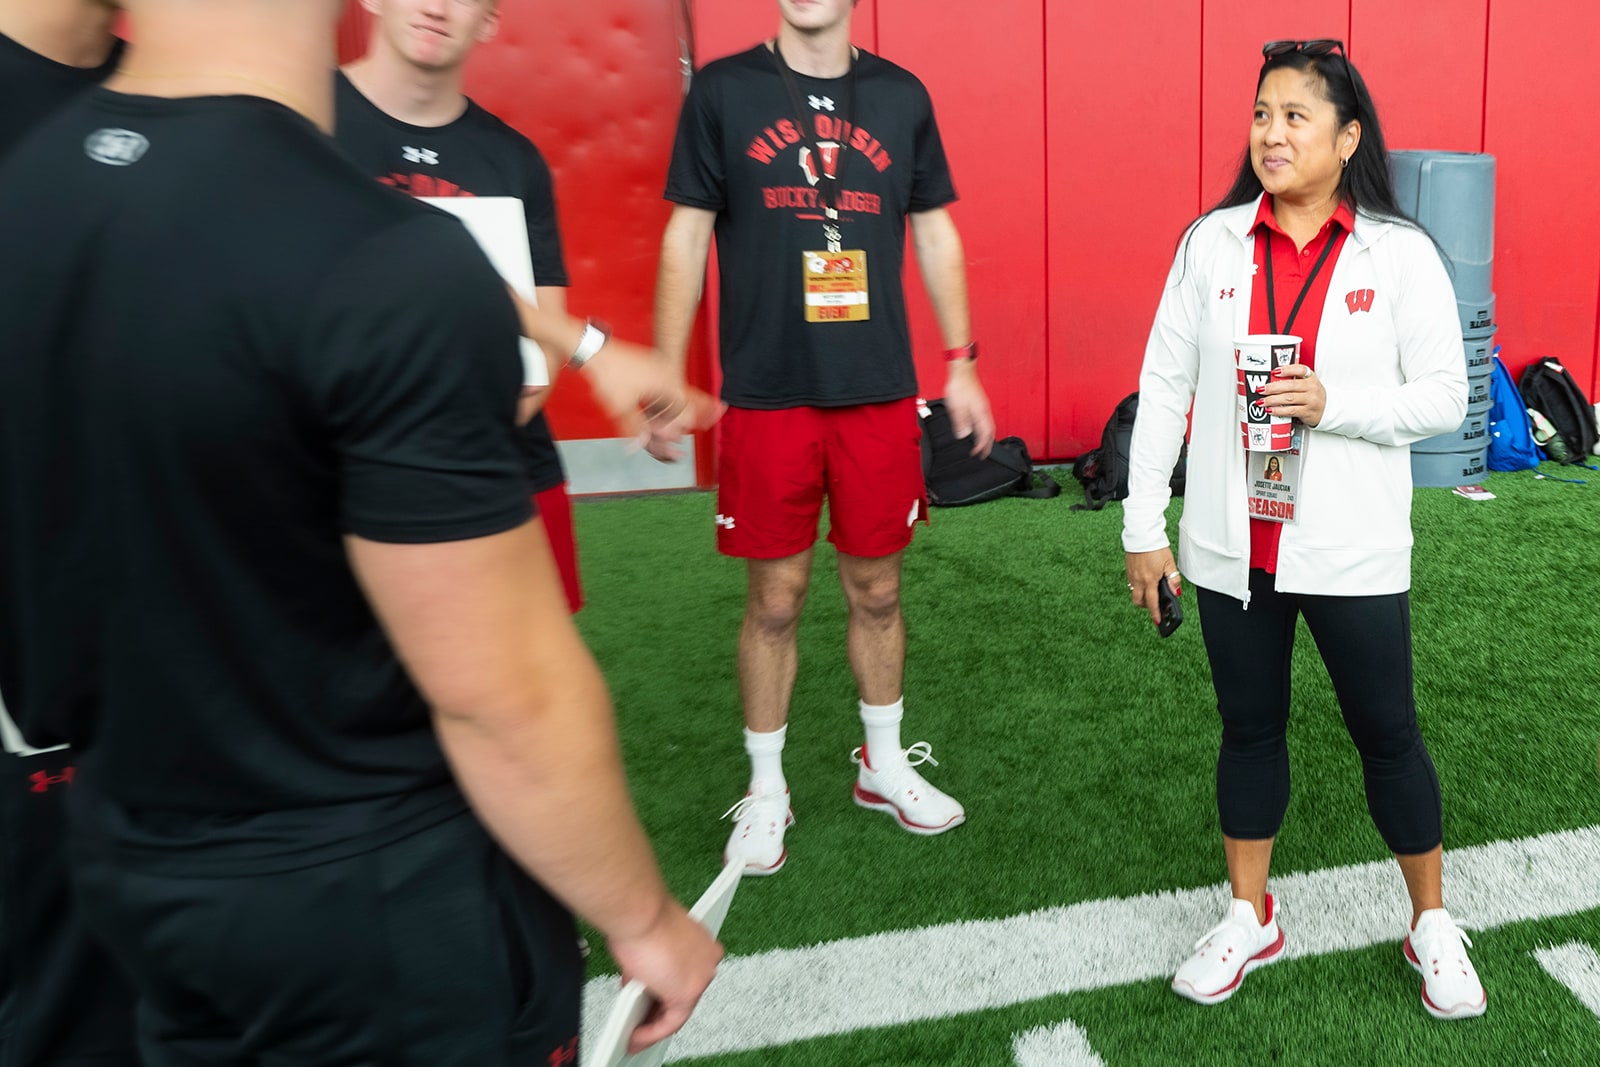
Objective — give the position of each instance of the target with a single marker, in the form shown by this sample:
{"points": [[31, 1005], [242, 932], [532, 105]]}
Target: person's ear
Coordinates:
{"points": [[491, 26]]}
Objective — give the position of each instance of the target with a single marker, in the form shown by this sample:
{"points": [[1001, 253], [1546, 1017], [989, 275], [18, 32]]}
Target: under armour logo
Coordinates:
{"points": [[725, 521], [566, 1054], [1226, 294], [116, 148], [821, 103], [420, 155], [43, 780], [1359, 300]]}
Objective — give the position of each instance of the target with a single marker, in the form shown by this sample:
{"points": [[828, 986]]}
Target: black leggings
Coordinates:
{"points": [[1365, 642]]}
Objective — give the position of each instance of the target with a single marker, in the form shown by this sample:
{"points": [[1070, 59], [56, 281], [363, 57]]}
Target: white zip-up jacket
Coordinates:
{"points": [[1394, 374]]}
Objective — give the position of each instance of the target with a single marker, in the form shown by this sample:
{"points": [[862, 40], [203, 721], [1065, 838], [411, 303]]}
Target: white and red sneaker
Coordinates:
{"points": [[897, 788], [1450, 986], [759, 822], [1229, 951]]}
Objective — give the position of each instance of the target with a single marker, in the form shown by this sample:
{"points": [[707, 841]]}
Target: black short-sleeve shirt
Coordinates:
{"points": [[220, 360], [742, 152], [476, 155]]}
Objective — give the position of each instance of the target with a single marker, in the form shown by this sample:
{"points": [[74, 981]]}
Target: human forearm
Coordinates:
{"points": [[547, 782], [549, 324], [685, 246], [941, 257]]}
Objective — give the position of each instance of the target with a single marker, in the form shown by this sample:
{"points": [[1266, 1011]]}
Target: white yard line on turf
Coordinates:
{"points": [[1576, 966], [1061, 1045], [893, 978]]}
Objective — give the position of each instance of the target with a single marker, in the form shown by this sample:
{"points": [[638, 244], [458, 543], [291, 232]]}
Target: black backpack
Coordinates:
{"points": [[955, 477], [1104, 470], [1548, 387]]}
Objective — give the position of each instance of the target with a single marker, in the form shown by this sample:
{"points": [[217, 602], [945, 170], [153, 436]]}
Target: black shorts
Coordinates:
{"points": [[63, 1002], [434, 950]]}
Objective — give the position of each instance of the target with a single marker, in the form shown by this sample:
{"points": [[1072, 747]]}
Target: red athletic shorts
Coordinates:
{"points": [[556, 511], [777, 466]]}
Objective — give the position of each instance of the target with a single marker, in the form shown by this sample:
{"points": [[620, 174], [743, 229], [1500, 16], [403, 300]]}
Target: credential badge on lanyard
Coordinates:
{"points": [[834, 278]]}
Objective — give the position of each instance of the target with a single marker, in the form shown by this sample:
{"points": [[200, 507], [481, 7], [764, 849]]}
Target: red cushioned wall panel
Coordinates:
{"points": [[1423, 62], [1230, 59], [1547, 228], [986, 89], [1064, 316], [1124, 163]]}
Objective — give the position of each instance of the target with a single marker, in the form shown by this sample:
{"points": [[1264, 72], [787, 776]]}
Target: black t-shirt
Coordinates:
{"points": [[476, 155], [739, 153], [33, 86], [220, 360]]}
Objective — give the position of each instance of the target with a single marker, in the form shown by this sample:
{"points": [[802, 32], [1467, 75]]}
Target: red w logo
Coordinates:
{"points": [[1359, 300]]}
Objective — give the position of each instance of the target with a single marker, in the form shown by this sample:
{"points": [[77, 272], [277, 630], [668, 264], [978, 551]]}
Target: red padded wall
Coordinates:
{"points": [[994, 137], [1082, 137], [1123, 139], [1547, 224], [1423, 61]]}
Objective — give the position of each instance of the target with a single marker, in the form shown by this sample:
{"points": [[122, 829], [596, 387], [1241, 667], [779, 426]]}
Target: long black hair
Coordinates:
{"points": [[1366, 182]]}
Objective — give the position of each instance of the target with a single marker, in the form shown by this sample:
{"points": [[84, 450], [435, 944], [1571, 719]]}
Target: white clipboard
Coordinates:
{"points": [[610, 1049], [500, 227]]}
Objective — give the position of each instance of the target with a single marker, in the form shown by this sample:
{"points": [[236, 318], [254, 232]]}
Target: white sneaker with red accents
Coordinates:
{"points": [[1450, 986], [759, 821], [1229, 951], [897, 788]]}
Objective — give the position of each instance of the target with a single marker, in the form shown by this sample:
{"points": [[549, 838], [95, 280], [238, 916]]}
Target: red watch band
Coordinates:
{"points": [[966, 351]]}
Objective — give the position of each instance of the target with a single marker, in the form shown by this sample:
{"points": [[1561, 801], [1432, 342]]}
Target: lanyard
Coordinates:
{"points": [[828, 186], [1272, 300]]}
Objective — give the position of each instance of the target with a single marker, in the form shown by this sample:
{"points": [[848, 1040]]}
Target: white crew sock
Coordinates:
{"points": [[883, 732], [766, 760]]}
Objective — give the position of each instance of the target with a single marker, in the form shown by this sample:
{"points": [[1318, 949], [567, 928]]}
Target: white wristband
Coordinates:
{"points": [[589, 344]]}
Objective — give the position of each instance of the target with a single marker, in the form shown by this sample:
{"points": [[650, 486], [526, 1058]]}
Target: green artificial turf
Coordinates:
{"points": [[1084, 746]]}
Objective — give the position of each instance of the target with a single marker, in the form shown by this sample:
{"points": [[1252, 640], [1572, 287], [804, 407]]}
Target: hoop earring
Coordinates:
{"points": [[1344, 162]]}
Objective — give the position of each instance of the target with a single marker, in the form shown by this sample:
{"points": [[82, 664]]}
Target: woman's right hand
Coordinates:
{"points": [[1145, 569]]}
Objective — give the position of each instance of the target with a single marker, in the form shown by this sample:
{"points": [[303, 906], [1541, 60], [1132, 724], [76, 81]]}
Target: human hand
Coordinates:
{"points": [[1144, 570], [968, 407], [1295, 392], [676, 958]]}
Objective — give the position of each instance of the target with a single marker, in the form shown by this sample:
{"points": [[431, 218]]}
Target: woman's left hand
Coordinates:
{"points": [[1295, 392]]}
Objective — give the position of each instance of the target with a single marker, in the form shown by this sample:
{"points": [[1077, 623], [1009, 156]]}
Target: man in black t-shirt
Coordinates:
{"points": [[62, 1000], [266, 557], [805, 159], [402, 116]]}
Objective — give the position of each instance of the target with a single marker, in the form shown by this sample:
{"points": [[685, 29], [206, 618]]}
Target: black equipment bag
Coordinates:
{"points": [[1549, 388], [955, 477], [1104, 470]]}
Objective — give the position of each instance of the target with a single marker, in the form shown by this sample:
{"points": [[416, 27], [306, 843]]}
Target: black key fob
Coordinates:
{"points": [[1171, 610]]}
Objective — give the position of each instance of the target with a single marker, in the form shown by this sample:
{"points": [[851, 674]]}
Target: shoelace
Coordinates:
{"points": [[747, 802], [1222, 927], [1436, 934], [916, 755]]}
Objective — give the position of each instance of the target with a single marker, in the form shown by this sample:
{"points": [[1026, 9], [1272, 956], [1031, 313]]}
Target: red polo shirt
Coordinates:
{"points": [[1290, 265]]}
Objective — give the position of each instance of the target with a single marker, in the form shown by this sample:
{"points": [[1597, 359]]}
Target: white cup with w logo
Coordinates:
{"points": [[1257, 355]]}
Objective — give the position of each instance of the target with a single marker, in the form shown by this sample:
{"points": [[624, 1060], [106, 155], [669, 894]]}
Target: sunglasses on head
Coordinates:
{"points": [[1316, 49]]}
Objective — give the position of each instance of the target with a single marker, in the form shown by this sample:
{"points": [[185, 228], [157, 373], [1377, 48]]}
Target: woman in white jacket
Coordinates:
{"points": [[1308, 242]]}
